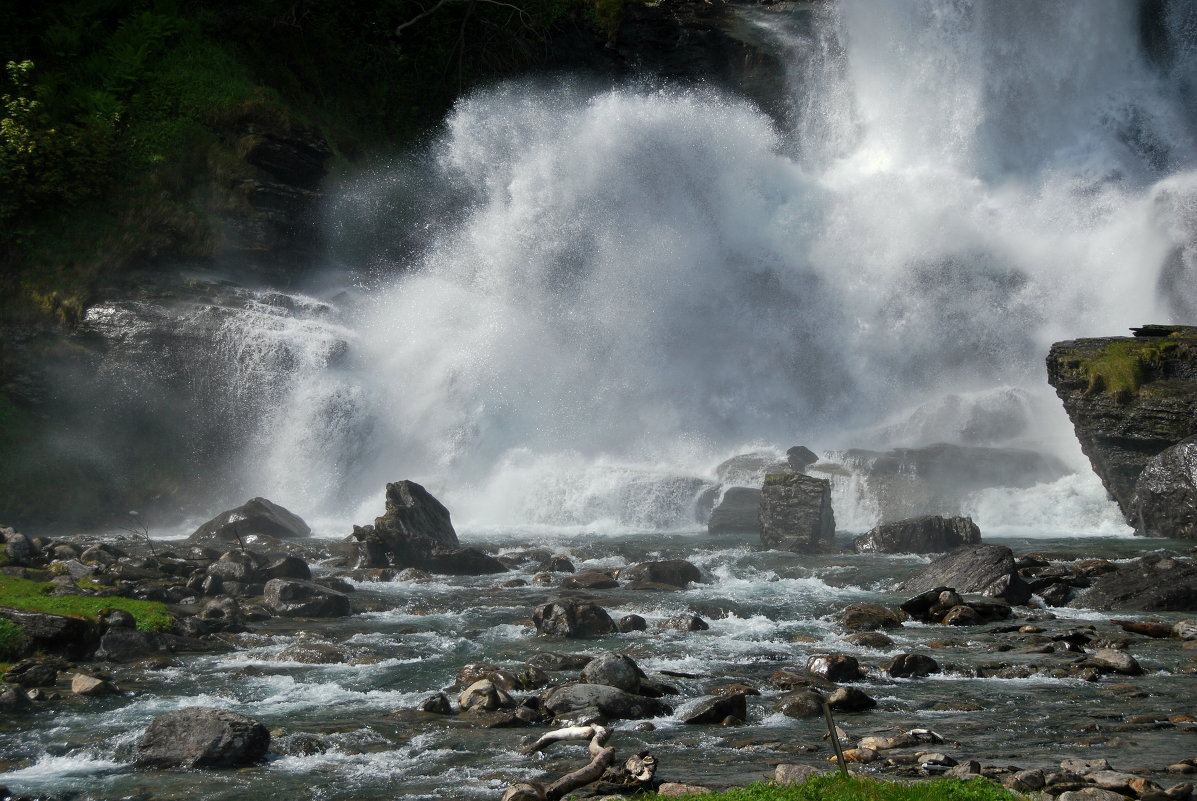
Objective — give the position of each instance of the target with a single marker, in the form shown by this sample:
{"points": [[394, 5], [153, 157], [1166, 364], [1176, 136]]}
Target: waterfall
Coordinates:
{"points": [[576, 289]]}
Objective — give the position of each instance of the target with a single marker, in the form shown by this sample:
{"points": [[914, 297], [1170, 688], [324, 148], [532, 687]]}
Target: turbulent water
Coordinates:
{"points": [[579, 300], [603, 286]]}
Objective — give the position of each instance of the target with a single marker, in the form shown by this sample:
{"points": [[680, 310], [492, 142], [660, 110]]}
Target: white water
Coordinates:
{"points": [[633, 284]]}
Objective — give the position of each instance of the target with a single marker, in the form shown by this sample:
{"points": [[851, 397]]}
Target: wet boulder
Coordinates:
{"points": [[1164, 503], [461, 562], [239, 566], [737, 512], [715, 710], [202, 737], [613, 670], [672, 572], [1153, 583], [69, 637], [796, 513], [483, 696], [906, 666], [610, 701], [128, 645], [800, 704], [683, 623], [569, 617], [289, 567], [294, 598], [984, 569], [36, 672], [870, 617], [14, 699], [930, 534], [19, 549], [591, 579], [850, 699], [257, 516], [834, 667]]}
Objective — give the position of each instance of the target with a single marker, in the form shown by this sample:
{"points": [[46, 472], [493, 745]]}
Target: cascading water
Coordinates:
{"points": [[605, 288]]}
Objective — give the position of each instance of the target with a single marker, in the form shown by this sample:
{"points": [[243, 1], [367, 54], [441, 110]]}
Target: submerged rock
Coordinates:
{"points": [[202, 737], [257, 516], [930, 534], [796, 513]]}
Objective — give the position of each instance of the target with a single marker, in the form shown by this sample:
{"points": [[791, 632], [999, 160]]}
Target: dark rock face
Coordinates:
{"points": [[202, 737], [294, 598], [715, 710], [796, 513], [255, 516], [985, 569], [1164, 503], [935, 480], [932, 534], [70, 637], [737, 512], [1150, 584], [568, 617], [1129, 399]]}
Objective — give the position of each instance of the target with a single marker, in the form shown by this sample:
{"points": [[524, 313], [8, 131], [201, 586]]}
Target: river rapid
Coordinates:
{"points": [[348, 729]]}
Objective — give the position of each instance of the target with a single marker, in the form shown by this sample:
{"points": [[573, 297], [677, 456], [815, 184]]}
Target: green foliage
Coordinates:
{"points": [[12, 639], [25, 594], [834, 787], [1121, 367]]}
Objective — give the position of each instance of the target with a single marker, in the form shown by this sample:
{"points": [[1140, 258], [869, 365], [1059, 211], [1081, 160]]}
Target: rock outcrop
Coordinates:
{"points": [[1129, 399], [1152, 583], [932, 534], [796, 513], [416, 531], [202, 737]]}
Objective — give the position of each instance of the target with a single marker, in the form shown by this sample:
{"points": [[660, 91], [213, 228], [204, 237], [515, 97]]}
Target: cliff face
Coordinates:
{"points": [[1129, 398]]}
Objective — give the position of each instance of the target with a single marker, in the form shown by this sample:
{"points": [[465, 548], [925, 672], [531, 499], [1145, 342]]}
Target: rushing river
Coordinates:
{"points": [[767, 611]]}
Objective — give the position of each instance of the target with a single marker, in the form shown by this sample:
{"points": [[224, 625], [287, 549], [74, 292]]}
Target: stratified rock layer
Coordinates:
{"points": [[1129, 399]]}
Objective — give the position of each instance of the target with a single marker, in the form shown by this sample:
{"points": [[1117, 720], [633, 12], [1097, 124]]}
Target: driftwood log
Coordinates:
{"points": [[640, 768]]}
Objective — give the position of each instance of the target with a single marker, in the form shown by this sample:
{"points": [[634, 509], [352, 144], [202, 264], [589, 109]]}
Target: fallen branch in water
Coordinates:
{"points": [[639, 769]]}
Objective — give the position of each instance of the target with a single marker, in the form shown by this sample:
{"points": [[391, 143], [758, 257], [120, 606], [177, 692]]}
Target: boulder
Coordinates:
{"points": [[591, 580], [931, 534], [461, 562], [36, 672], [985, 569], [610, 701], [834, 667], [483, 696], [673, 572], [257, 516], [64, 636], [870, 617], [796, 513], [1164, 503], [801, 704], [202, 737], [128, 645], [92, 686], [289, 567], [1129, 399], [850, 699], [1152, 583], [569, 617], [683, 623], [13, 700], [738, 512], [294, 598], [613, 670], [239, 566], [19, 549], [906, 666], [715, 710], [786, 774], [1110, 660]]}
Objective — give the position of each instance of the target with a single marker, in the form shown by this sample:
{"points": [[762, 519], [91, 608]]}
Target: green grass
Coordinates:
{"points": [[833, 787], [1120, 369], [25, 594], [11, 639]]}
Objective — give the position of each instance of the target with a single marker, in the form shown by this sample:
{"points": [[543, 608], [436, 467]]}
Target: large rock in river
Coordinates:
{"points": [[985, 569], [738, 512], [611, 701], [931, 534], [1165, 500], [796, 513], [202, 737], [295, 598], [255, 516], [1129, 399], [416, 531], [569, 617], [1151, 584]]}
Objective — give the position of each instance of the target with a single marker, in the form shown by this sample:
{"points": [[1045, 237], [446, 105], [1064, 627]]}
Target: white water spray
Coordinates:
{"points": [[637, 283]]}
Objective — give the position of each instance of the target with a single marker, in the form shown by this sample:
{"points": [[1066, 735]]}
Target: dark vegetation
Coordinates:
{"points": [[111, 111]]}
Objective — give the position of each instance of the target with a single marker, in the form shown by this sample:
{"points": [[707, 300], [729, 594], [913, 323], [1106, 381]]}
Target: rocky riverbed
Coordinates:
{"points": [[354, 707]]}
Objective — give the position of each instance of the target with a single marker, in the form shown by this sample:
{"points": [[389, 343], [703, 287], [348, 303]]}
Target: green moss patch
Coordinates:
{"points": [[31, 595], [12, 639], [834, 787]]}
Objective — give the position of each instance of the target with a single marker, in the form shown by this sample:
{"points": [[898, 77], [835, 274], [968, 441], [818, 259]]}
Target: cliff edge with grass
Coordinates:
{"points": [[1129, 399]]}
